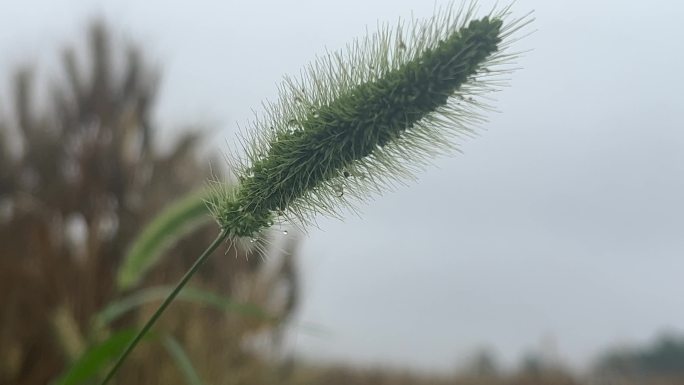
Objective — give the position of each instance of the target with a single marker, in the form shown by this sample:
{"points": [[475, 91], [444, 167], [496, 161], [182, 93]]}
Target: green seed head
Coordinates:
{"points": [[359, 120]]}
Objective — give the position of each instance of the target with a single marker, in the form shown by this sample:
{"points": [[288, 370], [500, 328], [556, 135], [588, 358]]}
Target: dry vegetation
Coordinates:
{"points": [[78, 181]]}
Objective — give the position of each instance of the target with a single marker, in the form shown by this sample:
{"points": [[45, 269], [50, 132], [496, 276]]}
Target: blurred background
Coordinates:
{"points": [[549, 253]]}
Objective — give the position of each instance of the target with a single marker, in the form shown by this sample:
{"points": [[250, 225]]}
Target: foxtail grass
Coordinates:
{"points": [[359, 121]]}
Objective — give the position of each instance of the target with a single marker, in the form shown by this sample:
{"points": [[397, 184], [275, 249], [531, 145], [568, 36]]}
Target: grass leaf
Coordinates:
{"points": [[178, 219], [157, 293], [96, 357], [182, 361]]}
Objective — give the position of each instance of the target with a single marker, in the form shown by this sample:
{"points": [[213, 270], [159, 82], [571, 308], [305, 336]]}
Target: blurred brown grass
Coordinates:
{"points": [[79, 178]]}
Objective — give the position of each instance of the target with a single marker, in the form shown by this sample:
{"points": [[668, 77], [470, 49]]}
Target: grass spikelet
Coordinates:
{"points": [[360, 120]]}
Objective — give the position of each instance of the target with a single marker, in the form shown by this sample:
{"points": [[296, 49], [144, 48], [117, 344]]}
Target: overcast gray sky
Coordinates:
{"points": [[562, 225]]}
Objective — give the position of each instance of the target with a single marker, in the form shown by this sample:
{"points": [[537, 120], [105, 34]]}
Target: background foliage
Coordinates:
{"points": [[79, 180]]}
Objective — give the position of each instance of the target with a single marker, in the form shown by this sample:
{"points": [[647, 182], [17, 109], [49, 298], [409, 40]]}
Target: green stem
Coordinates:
{"points": [[198, 263]]}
